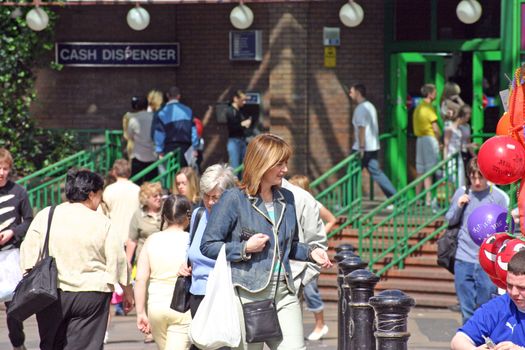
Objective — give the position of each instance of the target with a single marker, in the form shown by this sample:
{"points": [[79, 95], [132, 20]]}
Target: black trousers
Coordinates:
{"points": [[77, 320], [15, 329], [137, 166]]}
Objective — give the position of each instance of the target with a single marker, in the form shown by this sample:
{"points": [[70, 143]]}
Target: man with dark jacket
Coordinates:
{"points": [[173, 127]]}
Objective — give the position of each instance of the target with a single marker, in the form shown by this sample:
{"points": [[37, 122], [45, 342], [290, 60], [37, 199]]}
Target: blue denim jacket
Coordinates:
{"points": [[237, 212]]}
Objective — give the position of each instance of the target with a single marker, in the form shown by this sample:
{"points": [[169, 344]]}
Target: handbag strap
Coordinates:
{"points": [[45, 251]]}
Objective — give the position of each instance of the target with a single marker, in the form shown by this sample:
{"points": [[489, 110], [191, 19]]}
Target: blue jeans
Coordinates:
{"points": [[473, 287], [312, 297], [370, 162], [236, 150]]}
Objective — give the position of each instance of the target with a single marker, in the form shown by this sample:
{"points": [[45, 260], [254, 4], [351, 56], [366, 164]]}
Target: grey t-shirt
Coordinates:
{"points": [[468, 250], [139, 130]]}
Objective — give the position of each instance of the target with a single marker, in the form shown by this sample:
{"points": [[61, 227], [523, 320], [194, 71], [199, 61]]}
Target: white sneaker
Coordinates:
{"points": [[106, 337], [390, 207], [318, 335]]}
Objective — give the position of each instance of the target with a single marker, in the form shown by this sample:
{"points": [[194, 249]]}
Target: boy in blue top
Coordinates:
{"points": [[502, 319]]}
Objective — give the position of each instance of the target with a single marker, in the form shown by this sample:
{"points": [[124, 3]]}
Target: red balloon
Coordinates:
{"points": [[498, 282], [506, 252], [501, 160], [503, 125], [488, 251]]}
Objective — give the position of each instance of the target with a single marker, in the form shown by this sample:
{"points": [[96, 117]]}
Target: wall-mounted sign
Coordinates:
{"points": [[117, 54], [246, 45], [331, 36], [253, 98], [330, 56]]}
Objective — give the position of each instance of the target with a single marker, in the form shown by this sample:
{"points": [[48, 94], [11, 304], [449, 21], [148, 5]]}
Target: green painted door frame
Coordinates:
{"points": [[397, 161], [478, 117]]}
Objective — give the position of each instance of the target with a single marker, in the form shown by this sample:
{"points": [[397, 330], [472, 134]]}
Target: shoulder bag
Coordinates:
{"points": [[38, 287], [448, 243], [180, 301], [260, 318]]}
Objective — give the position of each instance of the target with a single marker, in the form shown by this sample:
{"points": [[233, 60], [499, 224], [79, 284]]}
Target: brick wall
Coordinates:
{"points": [[302, 101]]}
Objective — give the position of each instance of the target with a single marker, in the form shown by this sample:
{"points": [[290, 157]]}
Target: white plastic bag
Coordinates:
{"points": [[216, 323], [10, 273]]}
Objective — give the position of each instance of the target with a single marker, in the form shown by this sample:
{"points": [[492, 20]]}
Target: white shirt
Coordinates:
{"points": [[365, 115]]}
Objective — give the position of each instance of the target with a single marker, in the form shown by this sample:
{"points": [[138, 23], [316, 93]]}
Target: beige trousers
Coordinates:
{"points": [[169, 327], [288, 312]]}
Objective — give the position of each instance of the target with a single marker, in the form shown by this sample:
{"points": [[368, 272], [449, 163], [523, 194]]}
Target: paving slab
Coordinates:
{"points": [[430, 329]]}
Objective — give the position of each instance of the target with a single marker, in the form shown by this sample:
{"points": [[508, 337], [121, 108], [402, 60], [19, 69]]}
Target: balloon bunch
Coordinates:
{"points": [[501, 160]]}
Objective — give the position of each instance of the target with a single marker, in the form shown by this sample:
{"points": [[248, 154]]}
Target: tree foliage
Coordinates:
{"points": [[22, 51]]}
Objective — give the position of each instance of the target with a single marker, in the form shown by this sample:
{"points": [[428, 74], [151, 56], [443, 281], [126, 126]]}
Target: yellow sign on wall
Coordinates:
{"points": [[330, 54]]}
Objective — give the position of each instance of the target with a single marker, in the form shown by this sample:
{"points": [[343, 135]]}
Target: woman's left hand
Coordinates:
{"points": [[320, 256]]}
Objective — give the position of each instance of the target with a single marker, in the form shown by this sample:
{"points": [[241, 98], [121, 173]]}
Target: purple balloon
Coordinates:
{"points": [[486, 220]]}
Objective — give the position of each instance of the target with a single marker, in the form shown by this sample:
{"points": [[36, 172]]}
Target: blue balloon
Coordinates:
{"points": [[486, 220]]}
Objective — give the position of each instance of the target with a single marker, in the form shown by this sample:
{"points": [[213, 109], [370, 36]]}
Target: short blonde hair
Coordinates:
{"points": [[121, 168], [300, 181], [262, 154], [5, 157], [427, 89], [193, 184], [148, 189], [155, 100]]}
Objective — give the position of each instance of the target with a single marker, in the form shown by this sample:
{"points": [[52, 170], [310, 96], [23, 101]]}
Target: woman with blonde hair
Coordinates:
{"points": [[157, 272], [155, 100], [146, 219], [187, 184], [312, 297], [258, 227]]}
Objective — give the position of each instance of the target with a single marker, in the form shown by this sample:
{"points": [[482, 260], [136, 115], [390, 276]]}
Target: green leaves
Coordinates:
{"points": [[22, 50]]}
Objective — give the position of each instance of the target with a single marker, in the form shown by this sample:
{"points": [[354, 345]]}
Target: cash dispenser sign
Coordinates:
{"points": [[117, 54]]}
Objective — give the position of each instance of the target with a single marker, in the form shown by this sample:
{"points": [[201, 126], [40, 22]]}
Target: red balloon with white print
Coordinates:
{"points": [[489, 250], [506, 252]]}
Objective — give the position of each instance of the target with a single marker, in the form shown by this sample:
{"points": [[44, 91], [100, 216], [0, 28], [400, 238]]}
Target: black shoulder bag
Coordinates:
{"points": [[448, 243], [181, 294], [260, 317], [38, 288]]}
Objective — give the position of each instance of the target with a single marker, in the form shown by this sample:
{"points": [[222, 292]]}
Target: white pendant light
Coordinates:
{"points": [[138, 18], [37, 19], [469, 11], [241, 17], [351, 14]]}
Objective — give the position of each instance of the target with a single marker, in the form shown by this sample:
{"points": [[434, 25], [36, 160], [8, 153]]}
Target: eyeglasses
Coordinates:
{"points": [[214, 198]]}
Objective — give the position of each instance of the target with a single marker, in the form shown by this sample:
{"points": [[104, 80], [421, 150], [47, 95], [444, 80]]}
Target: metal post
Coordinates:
{"points": [[346, 266], [339, 257], [361, 325], [392, 308], [345, 247]]}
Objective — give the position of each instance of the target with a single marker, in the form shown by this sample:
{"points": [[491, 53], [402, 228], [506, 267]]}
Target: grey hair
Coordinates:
{"points": [[217, 175]]}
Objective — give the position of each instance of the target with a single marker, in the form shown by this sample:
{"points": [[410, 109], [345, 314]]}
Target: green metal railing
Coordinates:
{"points": [[340, 190], [397, 234], [170, 164], [79, 159]]}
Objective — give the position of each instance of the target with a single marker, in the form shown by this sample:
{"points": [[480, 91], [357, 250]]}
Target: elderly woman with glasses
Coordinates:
{"points": [[146, 219], [214, 181]]}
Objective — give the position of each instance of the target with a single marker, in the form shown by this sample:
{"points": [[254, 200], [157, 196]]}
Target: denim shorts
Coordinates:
{"points": [[312, 297]]}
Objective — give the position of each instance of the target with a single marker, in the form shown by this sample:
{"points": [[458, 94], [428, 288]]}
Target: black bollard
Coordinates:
{"points": [[346, 266], [361, 329], [340, 256], [392, 308], [344, 247]]}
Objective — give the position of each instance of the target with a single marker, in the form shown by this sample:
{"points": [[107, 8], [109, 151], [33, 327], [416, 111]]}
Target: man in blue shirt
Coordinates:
{"points": [[502, 319], [173, 127]]}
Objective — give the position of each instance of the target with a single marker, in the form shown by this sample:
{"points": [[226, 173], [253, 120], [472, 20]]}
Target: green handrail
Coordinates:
{"points": [[342, 194], [170, 164], [392, 235], [78, 159], [238, 170]]}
